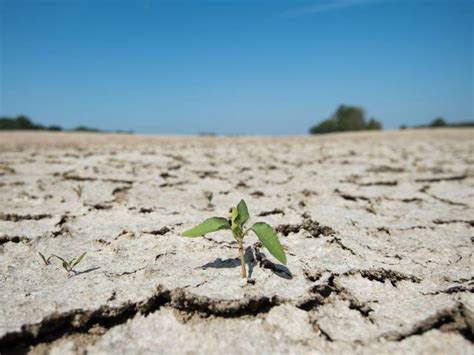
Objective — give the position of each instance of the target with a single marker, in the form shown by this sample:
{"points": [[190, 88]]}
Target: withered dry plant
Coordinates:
{"points": [[238, 217]]}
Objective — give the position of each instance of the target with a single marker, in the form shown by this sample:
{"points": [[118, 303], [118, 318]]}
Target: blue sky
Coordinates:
{"points": [[230, 66]]}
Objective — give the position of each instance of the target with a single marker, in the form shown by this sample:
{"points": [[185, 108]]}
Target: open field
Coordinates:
{"points": [[378, 229]]}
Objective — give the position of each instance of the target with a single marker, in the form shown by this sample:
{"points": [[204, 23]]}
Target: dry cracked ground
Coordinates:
{"points": [[377, 227]]}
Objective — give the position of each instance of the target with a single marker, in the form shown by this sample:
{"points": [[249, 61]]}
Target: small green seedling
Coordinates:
{"points": [[67, 265], [238, 218]]}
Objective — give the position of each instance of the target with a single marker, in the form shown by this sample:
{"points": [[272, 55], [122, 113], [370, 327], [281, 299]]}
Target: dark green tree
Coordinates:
{"points": [[346, 118], [23, 122], [374, 125], [438, 122], [350, 118]]}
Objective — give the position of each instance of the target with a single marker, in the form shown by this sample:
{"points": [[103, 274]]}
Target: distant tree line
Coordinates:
{"points": [[24, 123], [346, 118], [352, 118], [441, 122]]}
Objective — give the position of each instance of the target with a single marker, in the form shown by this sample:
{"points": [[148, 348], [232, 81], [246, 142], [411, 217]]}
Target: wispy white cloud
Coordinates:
{"points": [[328, 5]]}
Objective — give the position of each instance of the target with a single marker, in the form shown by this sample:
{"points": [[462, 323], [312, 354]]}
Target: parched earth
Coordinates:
{"points": [[377, 227]]}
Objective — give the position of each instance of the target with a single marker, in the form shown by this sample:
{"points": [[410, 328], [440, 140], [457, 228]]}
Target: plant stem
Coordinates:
{"points": [[242, 259]]}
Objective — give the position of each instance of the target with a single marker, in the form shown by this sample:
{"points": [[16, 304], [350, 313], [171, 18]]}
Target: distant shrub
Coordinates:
{"points": [[346, 118], [327, 126], [462, 124], [54, 128], [438, 122], [374, 125], [24, 123], [85, 129]]}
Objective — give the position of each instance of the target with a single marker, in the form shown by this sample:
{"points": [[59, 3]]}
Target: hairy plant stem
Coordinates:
{"points": [[242, 258]]}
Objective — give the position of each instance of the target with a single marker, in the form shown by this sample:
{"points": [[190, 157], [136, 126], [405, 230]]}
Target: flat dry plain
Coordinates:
{"points": [[377, 227]]}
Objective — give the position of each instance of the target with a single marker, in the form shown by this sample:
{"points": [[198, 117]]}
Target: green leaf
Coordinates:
{"points": [[66, 266], [78, 260], [233, 216], [210, 225], [44, 258], [269, 240], [242, 213], [235, 225]]}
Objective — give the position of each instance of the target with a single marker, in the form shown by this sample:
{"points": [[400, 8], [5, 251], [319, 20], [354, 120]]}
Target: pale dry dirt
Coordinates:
{"points": [[377, 227]]}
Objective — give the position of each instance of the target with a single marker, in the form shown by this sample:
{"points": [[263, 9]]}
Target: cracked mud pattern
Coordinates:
{"points": [[378, 230]]}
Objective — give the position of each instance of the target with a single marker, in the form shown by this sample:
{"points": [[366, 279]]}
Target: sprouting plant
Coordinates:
{"points": [[78, 190], [67, 265], [236, 223], [46, 260]]}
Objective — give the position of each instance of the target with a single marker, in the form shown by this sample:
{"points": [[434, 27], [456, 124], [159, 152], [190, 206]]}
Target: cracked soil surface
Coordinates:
{"points": [[377, 227]]}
